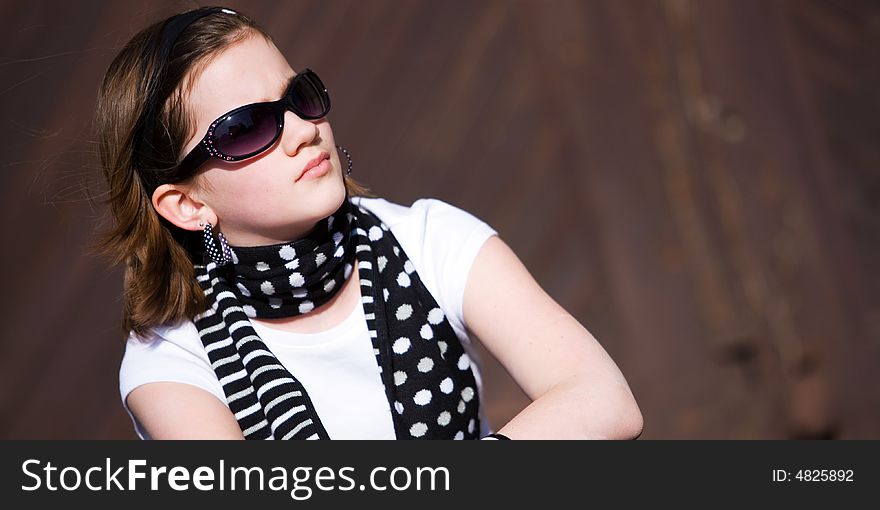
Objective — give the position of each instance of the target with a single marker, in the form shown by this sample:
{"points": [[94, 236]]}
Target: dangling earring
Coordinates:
{"points": [[222, 255], [347, 155]]}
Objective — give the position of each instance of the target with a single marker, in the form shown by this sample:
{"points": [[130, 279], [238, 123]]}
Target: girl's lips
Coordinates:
{"points": [[314, 172], [323, 156]]}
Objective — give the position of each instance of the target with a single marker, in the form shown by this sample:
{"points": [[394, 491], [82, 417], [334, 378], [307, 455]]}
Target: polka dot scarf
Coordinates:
{"points": [[430, 385]]}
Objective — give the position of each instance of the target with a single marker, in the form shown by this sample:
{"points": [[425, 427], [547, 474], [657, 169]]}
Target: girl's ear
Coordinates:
{"points": [[178, 205]]}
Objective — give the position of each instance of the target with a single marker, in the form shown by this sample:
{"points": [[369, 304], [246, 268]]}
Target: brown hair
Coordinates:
{"points": [[159, 286]]}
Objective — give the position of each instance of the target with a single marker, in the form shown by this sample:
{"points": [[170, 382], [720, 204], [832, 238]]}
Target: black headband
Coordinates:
{"points": [[171, 31]]}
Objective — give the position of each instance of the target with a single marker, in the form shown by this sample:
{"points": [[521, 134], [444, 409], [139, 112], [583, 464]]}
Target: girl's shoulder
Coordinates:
{"points": [[172, 352], [429, 217], [181, 339]]}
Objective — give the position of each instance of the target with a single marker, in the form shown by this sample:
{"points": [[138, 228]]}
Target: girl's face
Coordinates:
{"points": [[261, 200]]}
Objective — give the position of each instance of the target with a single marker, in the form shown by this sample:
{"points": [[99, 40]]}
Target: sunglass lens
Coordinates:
{"points": [[246, 132], [309, 96]]}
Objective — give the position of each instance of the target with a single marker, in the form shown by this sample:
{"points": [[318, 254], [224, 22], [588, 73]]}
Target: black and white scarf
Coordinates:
{"points": [[430, 385]]}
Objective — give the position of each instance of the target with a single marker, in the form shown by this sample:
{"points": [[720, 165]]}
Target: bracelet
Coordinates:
{"points": [[497, 435]]}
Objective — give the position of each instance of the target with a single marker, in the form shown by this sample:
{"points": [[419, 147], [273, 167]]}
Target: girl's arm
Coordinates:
{"points": [[172, 410], [577, 390]]}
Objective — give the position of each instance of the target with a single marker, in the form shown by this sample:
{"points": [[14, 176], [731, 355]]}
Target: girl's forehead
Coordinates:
{"points": [[249, 71]]}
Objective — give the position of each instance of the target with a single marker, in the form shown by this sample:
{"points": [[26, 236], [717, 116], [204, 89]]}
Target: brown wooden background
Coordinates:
{"points": [[696, 181]]}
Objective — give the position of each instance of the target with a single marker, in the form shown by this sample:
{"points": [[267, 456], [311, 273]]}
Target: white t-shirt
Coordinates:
{"points": [[337, 366]]}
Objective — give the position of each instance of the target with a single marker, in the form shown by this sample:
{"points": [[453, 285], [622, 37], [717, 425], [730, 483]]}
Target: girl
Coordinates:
{"points": [[269, 295]]}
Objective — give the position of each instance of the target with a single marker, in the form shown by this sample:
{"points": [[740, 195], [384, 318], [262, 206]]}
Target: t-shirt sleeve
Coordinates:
{"points": [[156, 359], [453, 237]]}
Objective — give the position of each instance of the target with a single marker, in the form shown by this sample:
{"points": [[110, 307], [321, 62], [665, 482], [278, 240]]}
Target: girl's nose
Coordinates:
{"points": [[297, 132]]}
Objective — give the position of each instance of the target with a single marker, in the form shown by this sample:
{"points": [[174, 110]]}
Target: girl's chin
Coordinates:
{"points": [[323, 199]]}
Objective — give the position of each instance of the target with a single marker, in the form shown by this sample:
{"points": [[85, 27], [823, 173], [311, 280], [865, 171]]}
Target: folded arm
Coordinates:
{"points": [[576, 388]]}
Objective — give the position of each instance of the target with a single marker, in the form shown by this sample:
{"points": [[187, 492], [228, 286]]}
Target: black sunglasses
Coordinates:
{"points": [[251, 129]]}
